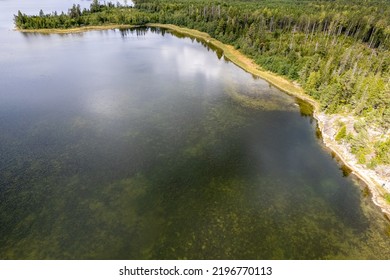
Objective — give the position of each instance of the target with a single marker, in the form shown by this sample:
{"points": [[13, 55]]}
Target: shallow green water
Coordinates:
{"points": [[138, 144]]}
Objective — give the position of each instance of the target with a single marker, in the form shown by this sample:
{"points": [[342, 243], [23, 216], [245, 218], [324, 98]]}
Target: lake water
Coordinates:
{"points": [[139, 144]]}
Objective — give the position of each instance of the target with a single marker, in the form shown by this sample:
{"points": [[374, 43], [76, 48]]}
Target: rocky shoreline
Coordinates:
{"points": [[378, 184]]}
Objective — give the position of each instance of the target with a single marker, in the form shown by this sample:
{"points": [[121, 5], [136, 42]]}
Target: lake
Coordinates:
{"points": [[143, 144]]}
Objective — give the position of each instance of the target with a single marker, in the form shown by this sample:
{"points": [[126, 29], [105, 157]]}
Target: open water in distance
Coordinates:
{"points": [[143, 145]]}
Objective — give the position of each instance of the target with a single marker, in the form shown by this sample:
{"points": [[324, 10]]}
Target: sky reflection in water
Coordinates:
{"points": [[138, 144]]}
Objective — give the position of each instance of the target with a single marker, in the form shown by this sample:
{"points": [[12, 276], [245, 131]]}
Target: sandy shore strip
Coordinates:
{"points": [[378, 185]]}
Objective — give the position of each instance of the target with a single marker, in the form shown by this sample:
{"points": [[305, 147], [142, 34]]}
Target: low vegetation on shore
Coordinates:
{"points": [[337, 51]]}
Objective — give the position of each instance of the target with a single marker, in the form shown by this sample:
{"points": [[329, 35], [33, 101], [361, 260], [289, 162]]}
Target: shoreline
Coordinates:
{"points": [[374, 181], [76, 29], [369, 177]]}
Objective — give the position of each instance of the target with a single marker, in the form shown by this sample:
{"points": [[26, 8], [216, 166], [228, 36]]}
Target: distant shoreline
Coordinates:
{"points": [[373, 180], [76, 29]]}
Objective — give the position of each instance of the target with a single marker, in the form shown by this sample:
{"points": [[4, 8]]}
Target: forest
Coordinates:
{"points": [[338, 51]]}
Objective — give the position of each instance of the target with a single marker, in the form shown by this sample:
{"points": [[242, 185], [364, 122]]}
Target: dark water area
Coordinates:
{"points": [[139, 144]]}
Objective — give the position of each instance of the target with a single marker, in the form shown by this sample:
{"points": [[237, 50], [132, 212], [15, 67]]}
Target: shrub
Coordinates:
{"points": [[341, 134]]}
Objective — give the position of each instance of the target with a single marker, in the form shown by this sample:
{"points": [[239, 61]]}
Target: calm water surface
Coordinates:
{"points": [[139, 144]]}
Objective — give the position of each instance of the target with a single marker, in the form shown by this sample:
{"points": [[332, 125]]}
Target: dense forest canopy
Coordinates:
{"points": [[338, 51]]}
